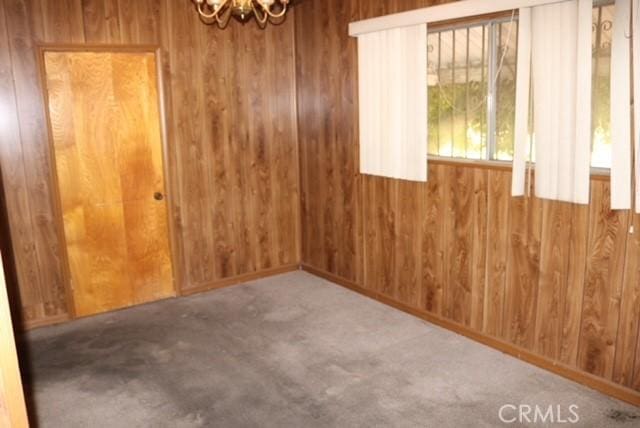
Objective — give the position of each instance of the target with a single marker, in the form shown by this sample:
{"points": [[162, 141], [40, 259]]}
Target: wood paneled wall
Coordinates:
{"points": [[557, 281], [231, 125]]}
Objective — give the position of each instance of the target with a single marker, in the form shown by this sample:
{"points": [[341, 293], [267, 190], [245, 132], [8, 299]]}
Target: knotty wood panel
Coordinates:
{"points": [[555, 279], [230, 122]]}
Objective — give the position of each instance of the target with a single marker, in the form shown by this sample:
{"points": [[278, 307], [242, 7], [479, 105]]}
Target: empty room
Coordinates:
{"points": [[319, 213]]}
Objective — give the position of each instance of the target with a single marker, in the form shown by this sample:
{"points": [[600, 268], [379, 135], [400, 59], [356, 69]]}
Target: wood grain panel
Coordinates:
{"points": [[498, 197], [603, 283], [16, 190], [188, 123], [284, 166], [380, 235], [218, 126], [554, 262], [261, 217], [147, 17], [628, 325], [410, 206], [458, 258], [572, 315], [57, 21], [245, 253], [327, 120], [30, 111], [479, 205], [432, 235], [523, 271], [101, 21]]}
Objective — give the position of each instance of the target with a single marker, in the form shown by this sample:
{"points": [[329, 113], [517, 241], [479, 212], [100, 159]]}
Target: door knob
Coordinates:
{"points": [[158, 196]]}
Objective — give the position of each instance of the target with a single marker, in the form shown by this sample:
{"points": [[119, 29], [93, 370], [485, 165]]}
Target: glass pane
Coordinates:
{"points": [[457, 82], [601, 141], [506, 90], [459, 72], [433, 54], [445, 94], [477, 105]]}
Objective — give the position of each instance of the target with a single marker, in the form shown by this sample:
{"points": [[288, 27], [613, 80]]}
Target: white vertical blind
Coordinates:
{"points": [[393, 102], [621, 107], [560, 37], [523, 82]]}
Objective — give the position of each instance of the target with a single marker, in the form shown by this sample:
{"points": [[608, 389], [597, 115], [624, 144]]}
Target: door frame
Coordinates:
{"points": [[11, 389], [171, 212]]}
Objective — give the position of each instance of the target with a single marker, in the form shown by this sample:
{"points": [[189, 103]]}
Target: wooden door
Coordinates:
{"points": [[105, 125]]}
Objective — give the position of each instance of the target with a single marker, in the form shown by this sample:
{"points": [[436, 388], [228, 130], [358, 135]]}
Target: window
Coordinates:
{"points": [[472, 75], [464, 122], [601, 113]]}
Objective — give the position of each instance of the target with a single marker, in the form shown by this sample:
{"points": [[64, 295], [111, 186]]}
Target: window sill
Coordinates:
{"points": [[602, 174]]}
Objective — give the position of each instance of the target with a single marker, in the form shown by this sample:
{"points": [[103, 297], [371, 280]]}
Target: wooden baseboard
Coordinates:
{"points": [[226, 282], [605, 386], [44, 322]]}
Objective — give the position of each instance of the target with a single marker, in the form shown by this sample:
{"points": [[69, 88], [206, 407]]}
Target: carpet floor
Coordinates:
{"points": [[292, 350]]}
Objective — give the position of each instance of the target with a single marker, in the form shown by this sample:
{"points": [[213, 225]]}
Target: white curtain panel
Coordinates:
{"points": [[393, 102], [621, 106], [559, 36]]}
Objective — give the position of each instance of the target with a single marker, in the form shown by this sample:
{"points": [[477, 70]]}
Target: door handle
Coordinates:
{"points": [[158, 196]]}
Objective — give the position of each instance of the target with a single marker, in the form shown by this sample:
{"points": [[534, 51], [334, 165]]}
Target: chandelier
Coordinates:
{"points": [[220, 11]]}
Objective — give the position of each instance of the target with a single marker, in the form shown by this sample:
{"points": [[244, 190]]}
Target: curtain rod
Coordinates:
{"points": [[443, 12]]}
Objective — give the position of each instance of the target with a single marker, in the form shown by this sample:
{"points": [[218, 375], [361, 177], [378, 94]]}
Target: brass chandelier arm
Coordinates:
{"points": [[262, 20], [215, 13], [224, 20], [267, 10]]}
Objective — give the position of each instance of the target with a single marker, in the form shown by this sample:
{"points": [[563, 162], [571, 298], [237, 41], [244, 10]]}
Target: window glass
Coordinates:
{"points": [[458, 88], [472, 84], [601, 117], [463, 62], [505, 90]]}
